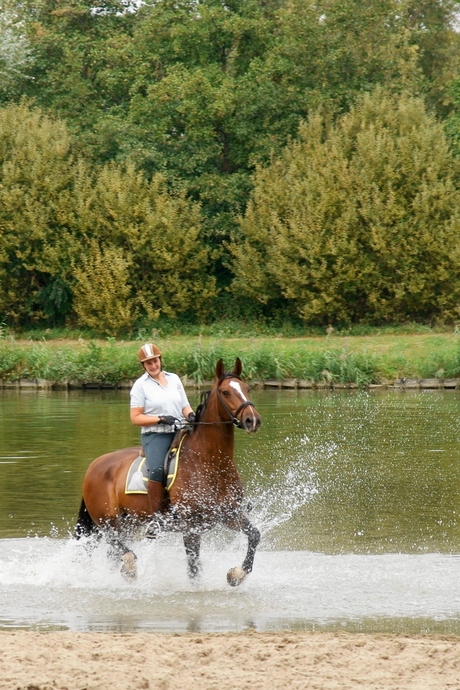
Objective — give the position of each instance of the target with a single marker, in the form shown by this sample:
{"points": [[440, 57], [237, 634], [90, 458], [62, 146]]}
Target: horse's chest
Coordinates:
{"points": [[209, 503]]}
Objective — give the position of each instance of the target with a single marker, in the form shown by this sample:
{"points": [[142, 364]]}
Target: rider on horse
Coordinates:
{"points": [[158, 401]]}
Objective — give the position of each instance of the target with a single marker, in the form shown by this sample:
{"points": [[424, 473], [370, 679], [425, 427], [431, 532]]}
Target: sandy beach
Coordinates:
{"points": [[102, 661]]}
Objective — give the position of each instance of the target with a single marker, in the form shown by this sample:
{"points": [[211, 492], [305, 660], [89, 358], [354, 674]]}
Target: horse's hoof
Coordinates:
{"points": [[193, 572], [128, 569], [235, 576], [152, 530]]}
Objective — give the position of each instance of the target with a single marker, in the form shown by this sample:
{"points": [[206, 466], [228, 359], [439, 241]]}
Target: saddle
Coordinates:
{"points": [[138, 473]]}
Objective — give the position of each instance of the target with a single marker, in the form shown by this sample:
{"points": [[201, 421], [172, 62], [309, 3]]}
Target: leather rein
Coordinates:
{"points": [[233, 415]]}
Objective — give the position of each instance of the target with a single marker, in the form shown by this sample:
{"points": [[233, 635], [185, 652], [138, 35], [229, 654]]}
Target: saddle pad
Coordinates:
{"points": [[138, 473], [137, 477]]}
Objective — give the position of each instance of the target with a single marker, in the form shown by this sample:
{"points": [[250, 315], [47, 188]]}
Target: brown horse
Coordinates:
{"points": [[207, 489]]}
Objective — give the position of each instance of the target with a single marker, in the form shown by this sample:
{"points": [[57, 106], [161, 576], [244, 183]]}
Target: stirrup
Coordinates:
{"points": [[152, 529]]}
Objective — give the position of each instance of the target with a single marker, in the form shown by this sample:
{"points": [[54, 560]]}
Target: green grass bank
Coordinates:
{"points": [[360, 360]]}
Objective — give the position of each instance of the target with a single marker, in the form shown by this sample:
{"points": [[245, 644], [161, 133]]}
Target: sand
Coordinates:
{"points": [[119, 661]]}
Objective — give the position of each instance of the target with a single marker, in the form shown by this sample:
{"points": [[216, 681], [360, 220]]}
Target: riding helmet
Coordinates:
{"points": [[148, 351]]}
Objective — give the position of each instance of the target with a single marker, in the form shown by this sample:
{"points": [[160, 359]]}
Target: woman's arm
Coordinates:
{"points": [[140, 419], [186, 411]]}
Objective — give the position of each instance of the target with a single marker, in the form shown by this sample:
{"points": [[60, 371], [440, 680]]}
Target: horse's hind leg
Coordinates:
{"points": [[235, 576], [192, 544], [119, 551]]}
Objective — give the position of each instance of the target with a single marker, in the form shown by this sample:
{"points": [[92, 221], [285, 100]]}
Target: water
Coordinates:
{"points": [[356, 496]]}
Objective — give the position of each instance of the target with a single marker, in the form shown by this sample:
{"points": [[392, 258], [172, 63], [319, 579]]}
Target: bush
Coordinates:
{"points": [[36, 225], [357, 221], [142, 251]]}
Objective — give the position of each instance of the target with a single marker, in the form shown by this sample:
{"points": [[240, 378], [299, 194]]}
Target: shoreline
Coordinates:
{"points": [[361, 362], [266, 384], [222, 661]]}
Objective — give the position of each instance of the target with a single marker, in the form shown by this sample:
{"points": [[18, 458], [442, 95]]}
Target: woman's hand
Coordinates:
{"points": [[167, 419]]}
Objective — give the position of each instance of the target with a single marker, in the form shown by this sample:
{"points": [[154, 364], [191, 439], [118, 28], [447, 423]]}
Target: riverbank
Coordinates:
{"points": [[97, 661], [286, 384], [428, 360]]}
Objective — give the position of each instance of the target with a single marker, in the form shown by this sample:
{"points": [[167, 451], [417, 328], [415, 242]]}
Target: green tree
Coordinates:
{"points": [[102, 244], [81, 52], [146, 241], [433, 27], [15, 51], [36, 223], [357, 221], [203, 93], [102, 291]]}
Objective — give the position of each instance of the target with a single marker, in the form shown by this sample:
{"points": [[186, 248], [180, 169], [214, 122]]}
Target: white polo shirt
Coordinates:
{"points": [[157, 400]]}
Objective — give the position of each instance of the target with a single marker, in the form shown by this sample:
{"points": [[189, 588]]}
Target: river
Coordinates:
{"points": [[356, 495]]}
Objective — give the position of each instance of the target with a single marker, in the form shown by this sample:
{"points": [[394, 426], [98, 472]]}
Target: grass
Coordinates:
{"points": [[341, 357]]}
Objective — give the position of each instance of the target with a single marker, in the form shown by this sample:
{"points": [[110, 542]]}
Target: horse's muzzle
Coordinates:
{"points": [[251, 422]]}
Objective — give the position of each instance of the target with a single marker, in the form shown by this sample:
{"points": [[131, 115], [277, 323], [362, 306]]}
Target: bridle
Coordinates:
{"points": [[233, 415]]}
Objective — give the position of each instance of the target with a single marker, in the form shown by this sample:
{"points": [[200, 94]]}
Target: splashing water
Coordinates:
{"points": [[60, 584]]}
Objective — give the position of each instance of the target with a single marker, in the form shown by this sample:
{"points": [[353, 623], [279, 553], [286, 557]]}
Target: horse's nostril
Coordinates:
{"points": [[251, 423]]}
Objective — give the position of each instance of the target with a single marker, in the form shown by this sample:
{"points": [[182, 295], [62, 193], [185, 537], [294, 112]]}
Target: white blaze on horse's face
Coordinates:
{"points": [[237, 387]]}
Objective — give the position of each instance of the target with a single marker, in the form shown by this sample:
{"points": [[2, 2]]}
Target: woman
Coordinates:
{"points": [[158, 401]]}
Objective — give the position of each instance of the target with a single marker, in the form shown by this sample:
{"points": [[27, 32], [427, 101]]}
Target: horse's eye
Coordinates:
{"points": [[226, 393]]}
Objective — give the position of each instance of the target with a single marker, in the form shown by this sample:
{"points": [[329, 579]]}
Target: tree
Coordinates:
{"points": [[433, 27], [36, 223], [357, 221], [81, 51], [102, 243], [16, 55], [146, 240], [204, 92], [102, 291]]}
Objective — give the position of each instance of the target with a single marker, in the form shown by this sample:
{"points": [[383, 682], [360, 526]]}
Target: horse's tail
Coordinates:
{"points": [[85, 525]]}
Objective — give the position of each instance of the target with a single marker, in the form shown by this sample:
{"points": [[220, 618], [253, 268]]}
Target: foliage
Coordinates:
{"points": [[102, 291], [357, 221], [143, 251], [103, 244], [36, 237], [15, 51], [204, 94], [327, 360], [433, 31], [148, 122]]}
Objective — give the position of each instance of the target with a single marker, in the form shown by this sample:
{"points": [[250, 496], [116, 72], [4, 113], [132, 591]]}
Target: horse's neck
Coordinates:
{"points": [[216, 431]]}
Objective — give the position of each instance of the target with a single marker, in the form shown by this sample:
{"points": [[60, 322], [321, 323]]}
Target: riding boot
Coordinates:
{"points": [[155, 492]]}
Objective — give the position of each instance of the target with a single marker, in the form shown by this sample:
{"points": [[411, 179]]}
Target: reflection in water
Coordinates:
{"points": [[356, 495]]}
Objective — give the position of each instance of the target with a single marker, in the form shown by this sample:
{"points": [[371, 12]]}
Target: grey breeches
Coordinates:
{"points": [[155, 447]]}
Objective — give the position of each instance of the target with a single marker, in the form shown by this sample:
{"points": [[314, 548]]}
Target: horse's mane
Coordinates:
{"points": [[204, 396]]}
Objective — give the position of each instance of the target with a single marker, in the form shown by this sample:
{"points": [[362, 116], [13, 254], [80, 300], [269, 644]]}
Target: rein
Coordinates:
{"points": [[233, 415]]}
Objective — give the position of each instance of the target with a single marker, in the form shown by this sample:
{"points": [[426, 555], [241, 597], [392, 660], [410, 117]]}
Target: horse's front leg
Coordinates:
{"points": [[235, 576], [192, 543]]}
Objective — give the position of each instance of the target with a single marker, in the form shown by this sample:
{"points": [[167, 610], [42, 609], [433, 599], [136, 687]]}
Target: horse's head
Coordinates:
{"points": [[233, 396]]}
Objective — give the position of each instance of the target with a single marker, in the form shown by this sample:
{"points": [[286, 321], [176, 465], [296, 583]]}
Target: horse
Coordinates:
{"points": [[207, 489]]}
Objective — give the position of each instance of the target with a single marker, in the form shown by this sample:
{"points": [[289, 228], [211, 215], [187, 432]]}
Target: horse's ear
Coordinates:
{"points": [[220, 369], [238, 368]]}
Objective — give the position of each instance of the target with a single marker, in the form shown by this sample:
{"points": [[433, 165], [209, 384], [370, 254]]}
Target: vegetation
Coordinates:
{"points": [[289, 162], [357, 221], [330, 359]]}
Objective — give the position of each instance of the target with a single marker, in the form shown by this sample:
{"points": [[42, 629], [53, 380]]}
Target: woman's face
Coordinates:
{"points": [[153, 366]]}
